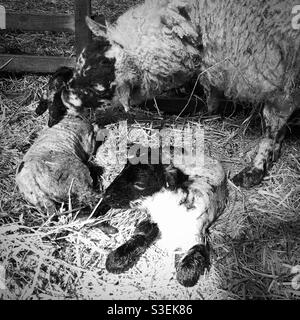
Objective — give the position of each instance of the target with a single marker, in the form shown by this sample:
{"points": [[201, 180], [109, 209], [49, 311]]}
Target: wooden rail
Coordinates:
{"points": [[33, 64], [40, 22], [43, 22]]}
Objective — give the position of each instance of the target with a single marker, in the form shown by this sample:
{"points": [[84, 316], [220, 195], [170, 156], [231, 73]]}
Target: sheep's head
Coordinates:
{"points": [[104, 72]]}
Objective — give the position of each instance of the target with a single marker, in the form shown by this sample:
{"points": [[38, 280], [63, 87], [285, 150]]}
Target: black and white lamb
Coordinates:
{"points": [[247, 50], [182, 203]]}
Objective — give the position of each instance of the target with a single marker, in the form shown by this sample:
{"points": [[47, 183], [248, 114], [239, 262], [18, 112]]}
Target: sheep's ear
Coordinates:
{"points": [[97, 29]]}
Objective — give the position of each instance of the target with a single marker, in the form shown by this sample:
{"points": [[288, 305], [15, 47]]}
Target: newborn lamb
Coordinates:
{"points": [[57, 167], [182, 203]]}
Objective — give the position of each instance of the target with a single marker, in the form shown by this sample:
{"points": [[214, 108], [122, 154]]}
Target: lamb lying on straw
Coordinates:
{"points": [[182, 203], [57, 169]]}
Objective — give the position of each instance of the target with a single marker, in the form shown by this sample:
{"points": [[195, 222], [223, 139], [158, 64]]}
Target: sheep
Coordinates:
{"points": [[51, 99], [58, 157], [182, 202], [57, 167], [246, 50]]}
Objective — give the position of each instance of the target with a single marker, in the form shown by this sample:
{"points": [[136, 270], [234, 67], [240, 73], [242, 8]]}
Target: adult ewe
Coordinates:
{"points": [[244, 49]]}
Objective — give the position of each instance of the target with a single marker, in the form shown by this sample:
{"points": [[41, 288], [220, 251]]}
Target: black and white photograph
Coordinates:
{"points": [[150, 151]]}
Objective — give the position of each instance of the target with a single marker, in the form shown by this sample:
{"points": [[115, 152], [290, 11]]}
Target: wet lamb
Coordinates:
{"points": [[182, 203], [57, 164], [57, 168]]}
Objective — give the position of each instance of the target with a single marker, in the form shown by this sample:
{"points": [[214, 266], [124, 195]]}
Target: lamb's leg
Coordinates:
{"points": [[276, 115], [190, 266], [127, 255]]}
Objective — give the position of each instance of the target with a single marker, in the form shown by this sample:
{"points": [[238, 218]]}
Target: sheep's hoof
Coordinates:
{"points": [[194, 264], [249, 177]]}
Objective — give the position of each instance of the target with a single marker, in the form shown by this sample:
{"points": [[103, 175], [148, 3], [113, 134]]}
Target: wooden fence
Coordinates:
{"points": [[46, 22]]}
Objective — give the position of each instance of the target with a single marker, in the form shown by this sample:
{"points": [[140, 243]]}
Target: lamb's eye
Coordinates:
{"points": [[99, 87]]}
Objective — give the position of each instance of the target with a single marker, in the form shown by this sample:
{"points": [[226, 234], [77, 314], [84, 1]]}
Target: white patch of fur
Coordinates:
{"points": [[113, 52], [99, 87], [180, 228], [74, 100], [80, 61]]}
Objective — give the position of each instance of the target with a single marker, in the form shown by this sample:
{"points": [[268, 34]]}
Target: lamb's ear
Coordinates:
{"points": [[57, 110], [42, 107], [97, 29]]}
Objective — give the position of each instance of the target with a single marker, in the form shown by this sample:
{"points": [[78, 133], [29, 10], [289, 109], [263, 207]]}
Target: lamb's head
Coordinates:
{"points": [[51, 99], [93, 79], [105, 72]]}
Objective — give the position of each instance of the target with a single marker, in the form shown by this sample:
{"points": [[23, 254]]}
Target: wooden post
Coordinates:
{"points": [[82, 33]]}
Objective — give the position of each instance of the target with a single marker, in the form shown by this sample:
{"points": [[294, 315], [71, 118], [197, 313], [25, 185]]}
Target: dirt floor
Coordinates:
{"points": [[255, 244]]}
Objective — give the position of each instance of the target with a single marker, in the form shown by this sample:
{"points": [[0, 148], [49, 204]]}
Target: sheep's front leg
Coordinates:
{"points": [[276, 116], [126, 256]]}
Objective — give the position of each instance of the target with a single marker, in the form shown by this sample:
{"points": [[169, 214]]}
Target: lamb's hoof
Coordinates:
{"points": [[249, 177], [149, 229], [126, 256], [194, 264]]}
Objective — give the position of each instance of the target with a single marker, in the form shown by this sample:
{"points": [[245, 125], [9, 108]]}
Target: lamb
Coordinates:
{"points": [[57, 167], [56, 163], [246, 50], [182, 202]]}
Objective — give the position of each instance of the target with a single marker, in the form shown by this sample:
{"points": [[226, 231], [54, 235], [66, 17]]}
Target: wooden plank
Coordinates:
{"points": [[33, 64], [40, 22], [82, 33]]}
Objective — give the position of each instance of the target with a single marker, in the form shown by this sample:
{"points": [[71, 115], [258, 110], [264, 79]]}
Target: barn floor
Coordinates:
{"points": [[256, 243]]}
